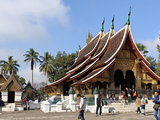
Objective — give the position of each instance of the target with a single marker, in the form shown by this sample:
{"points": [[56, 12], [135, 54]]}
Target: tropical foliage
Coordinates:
{"points": [[9, 66], [33, 57], [142, 48], [61, 63], [46, 65]]}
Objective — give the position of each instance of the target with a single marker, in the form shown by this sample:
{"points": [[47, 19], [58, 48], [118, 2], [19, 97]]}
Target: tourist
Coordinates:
{"points": [[1, 105], [129, 95], [138, 104], [24, 102], [82, 107], [99, 105], [112, 97], [126, 92], [122, 97], [39, 99], [143, 103], [156, 106], [134, 94]]}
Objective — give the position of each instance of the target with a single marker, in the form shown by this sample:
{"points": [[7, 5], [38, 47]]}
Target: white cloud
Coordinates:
{"points": [[38, 77], [152, 46], [16, 53], [25, 19]]}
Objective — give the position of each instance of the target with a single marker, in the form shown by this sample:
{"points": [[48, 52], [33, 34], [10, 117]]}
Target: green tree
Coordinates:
{"points": [[158, 64], [142, 48], [21, 80], [9, 66], [33, 57], [153, 63], [46, 65], [158, 49], [61, 64]]}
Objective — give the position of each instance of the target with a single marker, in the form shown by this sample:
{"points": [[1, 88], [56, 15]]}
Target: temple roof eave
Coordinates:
{"points": [[82, 54], [85, 70], [100, 71], [137, 52], [60, 80], [150, 72]]}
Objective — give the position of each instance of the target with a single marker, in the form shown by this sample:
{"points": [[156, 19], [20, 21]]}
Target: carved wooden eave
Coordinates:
{"points": [[149, 71], [11, 85]]}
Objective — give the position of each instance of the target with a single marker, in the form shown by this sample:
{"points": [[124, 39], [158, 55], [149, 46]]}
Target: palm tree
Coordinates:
{"points": [[46, 65], [32, 57], [9, 66]]}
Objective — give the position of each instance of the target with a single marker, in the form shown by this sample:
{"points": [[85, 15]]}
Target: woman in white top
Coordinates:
{"points": [[143, 103], [82, 107]]}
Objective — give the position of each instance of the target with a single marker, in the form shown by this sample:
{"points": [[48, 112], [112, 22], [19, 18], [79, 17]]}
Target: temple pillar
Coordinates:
{"points": [[138, 83], [89, 88], [76, 90]]}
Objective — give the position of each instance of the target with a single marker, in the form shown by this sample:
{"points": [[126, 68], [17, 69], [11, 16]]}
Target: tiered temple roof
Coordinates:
{"points": [[100, 54], [2, 79], [11, 84]]}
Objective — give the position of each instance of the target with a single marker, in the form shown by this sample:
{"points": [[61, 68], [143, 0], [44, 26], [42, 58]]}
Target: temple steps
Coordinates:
{"points": [[121, 107]]}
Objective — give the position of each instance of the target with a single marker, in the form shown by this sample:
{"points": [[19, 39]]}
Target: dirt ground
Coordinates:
{"points": [[39, 115]]}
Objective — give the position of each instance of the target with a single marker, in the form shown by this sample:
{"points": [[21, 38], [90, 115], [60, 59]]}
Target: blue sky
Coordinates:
{"points": [[63, 25]]}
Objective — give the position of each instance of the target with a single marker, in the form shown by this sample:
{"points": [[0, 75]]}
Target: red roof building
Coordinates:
{"points": [[109, 61]]}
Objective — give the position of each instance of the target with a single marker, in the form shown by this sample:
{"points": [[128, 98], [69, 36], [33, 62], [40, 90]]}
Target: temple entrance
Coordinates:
{"points": [[130, 79], [119, 79], [149, 86], [66, 88], [98, 85], [11, 97]]}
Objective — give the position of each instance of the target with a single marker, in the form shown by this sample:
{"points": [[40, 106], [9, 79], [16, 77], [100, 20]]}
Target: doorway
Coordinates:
{"points": [[130, 79], [11, 97], [119, 79]]}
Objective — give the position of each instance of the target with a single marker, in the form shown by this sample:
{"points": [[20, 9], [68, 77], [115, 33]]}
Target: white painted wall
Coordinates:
{"points": [[4, 96], [18, 96]]}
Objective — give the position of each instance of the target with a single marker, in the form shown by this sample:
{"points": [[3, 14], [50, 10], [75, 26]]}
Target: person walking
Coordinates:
{"points": [[138, 104], [156, 106], [82, 106], [143, 104], [99, 105]]}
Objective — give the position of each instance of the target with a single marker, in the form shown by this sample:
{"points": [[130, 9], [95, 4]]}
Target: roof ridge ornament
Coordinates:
{"points": [[102, 27], [128, 19], [112, 27], [112, 24]]}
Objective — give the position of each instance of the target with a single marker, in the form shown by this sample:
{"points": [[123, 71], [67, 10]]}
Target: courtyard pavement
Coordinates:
{"points": [[39, 115]]}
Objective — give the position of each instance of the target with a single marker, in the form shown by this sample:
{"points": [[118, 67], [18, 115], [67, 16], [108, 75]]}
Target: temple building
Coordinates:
{"points": [[109, 62], [11, 92]]}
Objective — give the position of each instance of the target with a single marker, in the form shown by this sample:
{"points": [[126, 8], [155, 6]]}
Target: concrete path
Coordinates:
{"points": [[39, 115]]}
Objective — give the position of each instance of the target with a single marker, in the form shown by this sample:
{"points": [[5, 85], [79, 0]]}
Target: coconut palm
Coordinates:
{"points": [[33, 57], [9, 66], [46, 65]]}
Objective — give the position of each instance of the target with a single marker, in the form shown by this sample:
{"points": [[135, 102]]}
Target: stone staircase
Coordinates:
{"points": [[120, 107]]}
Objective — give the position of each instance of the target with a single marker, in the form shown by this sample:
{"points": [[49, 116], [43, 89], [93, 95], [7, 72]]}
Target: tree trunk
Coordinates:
{"points": [[46, 78], [32, 78]]}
